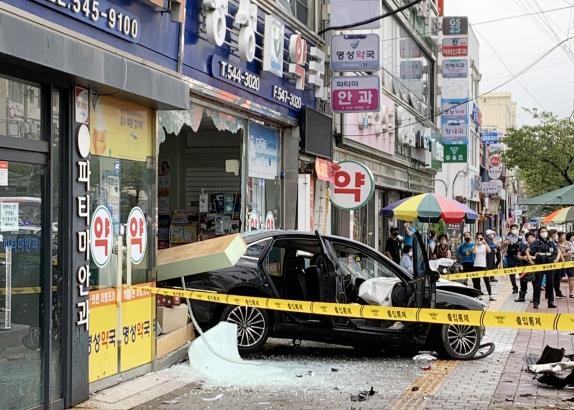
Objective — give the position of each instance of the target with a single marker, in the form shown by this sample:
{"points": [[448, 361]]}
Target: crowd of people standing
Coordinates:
{"points": [[488, 251]]}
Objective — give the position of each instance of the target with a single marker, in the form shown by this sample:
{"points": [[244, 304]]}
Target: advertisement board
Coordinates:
{"points": [[355, 93], [455, 68], [138, 328], [355, 52], [103, 338]]}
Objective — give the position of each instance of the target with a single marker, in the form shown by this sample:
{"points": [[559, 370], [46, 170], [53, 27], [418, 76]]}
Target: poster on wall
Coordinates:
{"points": [[138, 328], [120, 129], [263, 152], [103, 340]]}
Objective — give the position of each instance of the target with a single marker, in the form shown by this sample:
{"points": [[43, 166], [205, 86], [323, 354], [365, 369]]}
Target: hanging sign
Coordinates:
{"points": [[101, 242], [495, 172], [354, 185], [355, 94], [355, 52], [137, 234]]}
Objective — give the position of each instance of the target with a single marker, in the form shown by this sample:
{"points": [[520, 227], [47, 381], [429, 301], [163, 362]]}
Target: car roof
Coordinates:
{"points": [[255, 236]]}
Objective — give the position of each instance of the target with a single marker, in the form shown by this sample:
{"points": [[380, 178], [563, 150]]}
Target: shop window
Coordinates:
{"points": [[122, 180], [20, 109], [263, 201], [199, 181]]}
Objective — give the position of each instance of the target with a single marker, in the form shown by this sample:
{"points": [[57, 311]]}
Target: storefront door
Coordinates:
{"points": [[30, 277]]}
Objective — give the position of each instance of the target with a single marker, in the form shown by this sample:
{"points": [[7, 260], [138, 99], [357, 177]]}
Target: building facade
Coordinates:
{"points": [[133, 126]]}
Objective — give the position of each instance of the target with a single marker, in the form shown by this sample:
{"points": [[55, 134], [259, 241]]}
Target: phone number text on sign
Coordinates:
{"points": [[354, 185], [101, 14], [355, 94]]}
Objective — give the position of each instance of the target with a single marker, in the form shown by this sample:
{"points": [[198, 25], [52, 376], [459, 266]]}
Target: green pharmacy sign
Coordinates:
{"points": [[455, 153]]}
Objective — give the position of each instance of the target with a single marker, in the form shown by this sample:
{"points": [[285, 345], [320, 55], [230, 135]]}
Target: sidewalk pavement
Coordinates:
{"points": [[498, 381]]}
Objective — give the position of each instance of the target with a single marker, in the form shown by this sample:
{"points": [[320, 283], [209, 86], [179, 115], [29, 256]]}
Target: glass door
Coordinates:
{"points": [[21, 268]]}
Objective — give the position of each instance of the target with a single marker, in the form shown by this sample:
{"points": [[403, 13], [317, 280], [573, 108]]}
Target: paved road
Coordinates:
{"points": [[316, 376]]}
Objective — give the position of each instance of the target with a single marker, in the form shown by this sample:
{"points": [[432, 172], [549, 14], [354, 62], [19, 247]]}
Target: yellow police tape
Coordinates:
{"points": [[519, 270], [518, 320]]}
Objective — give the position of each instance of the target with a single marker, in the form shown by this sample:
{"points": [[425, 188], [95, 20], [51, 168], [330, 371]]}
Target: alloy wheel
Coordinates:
{"points": [[251, 325], [462, 339]]}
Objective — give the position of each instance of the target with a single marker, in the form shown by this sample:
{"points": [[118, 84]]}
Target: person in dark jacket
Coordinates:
{"points": [[512, 245], [523, 259], [494, 257], [393, 246], [543, 250]]}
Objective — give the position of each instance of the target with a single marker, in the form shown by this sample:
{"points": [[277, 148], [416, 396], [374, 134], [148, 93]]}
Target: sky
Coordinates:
{"points": [[511, 45]]}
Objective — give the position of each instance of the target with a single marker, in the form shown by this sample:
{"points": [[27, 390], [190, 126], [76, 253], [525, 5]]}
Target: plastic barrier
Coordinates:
{"points": [[518, 320]]}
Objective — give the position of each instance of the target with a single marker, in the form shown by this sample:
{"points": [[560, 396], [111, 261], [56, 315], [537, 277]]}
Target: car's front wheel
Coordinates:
{"points": [[460, 342], [252, 326]]}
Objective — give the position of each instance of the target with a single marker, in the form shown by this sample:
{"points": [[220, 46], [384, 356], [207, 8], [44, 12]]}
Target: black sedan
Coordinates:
{"points": [[312, 267]]}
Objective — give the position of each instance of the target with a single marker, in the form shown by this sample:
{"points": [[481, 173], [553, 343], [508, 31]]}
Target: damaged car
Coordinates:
{"points": [[308, 266]]}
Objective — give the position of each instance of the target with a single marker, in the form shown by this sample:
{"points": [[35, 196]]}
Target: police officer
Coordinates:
{"points": [[523, 259], [544, 250], [512, 244]]}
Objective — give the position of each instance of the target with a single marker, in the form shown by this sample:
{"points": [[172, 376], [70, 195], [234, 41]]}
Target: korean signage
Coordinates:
{"points": [[455, 153], [455, 68], [102, 14], [354, 185], [9, 217], [491, 187], [101, 236], [82, 236], [305, 64], [355, 94], [137, 328], [325, 170], [494, 172], [454, 121], [490, 135], [103, 336], [137, 234], [455, 46], [263, 152], [355, 52], [454, 25]]}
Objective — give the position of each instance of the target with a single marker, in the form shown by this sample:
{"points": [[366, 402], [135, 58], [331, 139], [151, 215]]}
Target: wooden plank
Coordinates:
{"points": [[197, 257]]}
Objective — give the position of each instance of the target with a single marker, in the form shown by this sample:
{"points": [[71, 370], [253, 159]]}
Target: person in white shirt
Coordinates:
{"points": [[407, 258], [480, 251]]}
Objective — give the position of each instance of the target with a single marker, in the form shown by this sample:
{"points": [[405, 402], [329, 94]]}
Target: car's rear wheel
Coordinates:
{"points": [[460, 342], [252, 326]]}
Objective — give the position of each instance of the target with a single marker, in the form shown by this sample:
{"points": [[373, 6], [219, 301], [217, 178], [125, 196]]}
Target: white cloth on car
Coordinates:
{"points": [[377, 291]]}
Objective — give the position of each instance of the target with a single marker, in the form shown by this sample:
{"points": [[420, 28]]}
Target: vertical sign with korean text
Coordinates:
{"points": [[138, 328], [353, 187], [104, 342]]}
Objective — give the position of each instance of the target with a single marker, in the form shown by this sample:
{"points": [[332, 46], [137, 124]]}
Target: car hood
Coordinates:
{"points": [[456, 287]]}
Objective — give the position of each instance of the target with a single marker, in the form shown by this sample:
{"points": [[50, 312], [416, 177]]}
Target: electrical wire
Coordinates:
{"points": [[465, 101], [372, 19]]}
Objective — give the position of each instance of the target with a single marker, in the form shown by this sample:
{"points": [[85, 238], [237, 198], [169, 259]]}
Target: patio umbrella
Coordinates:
{"points": [[430, 208], [562, 196], [560, 216]]}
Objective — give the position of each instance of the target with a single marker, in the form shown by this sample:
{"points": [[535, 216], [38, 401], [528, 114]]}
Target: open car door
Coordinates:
{"points": [[424, 280], [330, 271]]}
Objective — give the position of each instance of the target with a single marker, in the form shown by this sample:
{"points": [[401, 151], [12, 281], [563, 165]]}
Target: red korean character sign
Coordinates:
{"points": [[353, 187], [101, 238], [137, 234]]}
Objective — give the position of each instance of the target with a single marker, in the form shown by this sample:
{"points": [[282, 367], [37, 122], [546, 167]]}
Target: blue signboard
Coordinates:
{"points": [[221, 67], [132, 26], [489, 135], [454, 120]]}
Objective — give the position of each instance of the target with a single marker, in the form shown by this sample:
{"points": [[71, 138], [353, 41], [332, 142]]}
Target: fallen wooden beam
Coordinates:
{"points": [[197, 257]]}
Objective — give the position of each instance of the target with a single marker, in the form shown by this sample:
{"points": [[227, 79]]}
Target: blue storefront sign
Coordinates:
{"points": [[136, 27], [211, 58]]}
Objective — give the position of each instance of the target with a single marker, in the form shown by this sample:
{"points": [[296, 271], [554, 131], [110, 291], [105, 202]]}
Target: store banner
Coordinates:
{"points": [[263, 152], [138, 328], [120, 129], [455, 153], [103, 337]]}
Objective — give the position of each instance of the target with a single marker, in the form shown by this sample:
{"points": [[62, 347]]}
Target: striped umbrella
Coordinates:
{"points": [[430, 208], [560, 216]]}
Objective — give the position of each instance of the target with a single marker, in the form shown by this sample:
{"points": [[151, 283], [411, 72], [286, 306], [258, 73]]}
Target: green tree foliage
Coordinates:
{"points": [[542, 153]]}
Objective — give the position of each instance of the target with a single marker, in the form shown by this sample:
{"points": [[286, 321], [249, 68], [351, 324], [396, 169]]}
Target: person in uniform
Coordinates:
{"points": [[512, 245], [544, 250], [524, 259]]}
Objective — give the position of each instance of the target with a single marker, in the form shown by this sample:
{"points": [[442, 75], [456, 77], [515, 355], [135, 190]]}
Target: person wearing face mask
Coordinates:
{"points": [[442, 250], [543, 250], [524, 260], [560, 239], [512, 246], [481, 251], [465, 253], [493, 258], [407, 258], [393, 246]]}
